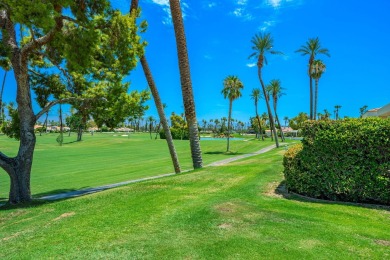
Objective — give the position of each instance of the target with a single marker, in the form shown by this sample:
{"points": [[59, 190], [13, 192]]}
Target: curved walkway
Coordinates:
{"points": [[78, 193]]}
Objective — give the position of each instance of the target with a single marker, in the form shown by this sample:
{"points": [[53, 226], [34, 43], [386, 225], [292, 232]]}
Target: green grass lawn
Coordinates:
{"points": [[108, 158], [226, 212]]}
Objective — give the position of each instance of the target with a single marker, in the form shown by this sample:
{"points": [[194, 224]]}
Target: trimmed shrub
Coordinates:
{"points": [[177, 134], [346, 160]]}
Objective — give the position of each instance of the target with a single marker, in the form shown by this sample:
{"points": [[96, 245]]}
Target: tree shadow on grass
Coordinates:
{"points": [[39, 200], [58, 191], [282, 190]]}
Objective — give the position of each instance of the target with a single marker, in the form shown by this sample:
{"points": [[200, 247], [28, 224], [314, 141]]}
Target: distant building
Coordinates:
{"points": [[383, 112]]}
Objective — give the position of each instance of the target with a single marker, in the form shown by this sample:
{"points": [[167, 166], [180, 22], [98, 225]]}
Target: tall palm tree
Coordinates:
{"points": [[263, 44], [276, 91], [336, 111], [204, 122], [312, 48], [317, 69], [232, 87], [158, 102], [186, 84], [286, 119], [151, 120], [216, 124], [256, 95]]}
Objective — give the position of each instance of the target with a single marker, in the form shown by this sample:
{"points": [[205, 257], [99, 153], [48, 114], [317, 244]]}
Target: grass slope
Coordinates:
{"points": [[227, 212], [108, 158]]}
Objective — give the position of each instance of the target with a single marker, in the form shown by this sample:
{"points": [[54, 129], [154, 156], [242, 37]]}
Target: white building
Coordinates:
{"points": [[383, 112]]}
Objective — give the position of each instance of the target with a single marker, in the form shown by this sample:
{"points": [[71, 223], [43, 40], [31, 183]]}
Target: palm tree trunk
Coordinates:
{"points": [[277, 120], [161, 114], [316, 99], [186, 84], [271, 118], [311, 87], [158, 103], [311, 98], [258, 121], [229, 118]]}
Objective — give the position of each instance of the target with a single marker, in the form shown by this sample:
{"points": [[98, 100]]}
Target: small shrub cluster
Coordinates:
{"points": [[346, 160], [177, 134]]}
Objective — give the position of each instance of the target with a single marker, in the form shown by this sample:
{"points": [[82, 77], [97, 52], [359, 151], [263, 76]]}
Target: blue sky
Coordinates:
{"points": [[356, 32]]}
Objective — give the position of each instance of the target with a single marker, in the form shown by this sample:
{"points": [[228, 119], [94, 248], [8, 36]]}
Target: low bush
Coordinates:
{"points": [[346, 160], [177, 134]]}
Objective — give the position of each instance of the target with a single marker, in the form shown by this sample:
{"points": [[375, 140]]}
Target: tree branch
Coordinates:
{"points": [[44, 39], [64, 72], [6, 162], [70, 19], [53, 103], [7, 24]]}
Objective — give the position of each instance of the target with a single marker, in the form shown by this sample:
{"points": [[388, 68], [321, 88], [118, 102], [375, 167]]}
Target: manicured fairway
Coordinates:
{"points": [[226, 212], [108, 158]]}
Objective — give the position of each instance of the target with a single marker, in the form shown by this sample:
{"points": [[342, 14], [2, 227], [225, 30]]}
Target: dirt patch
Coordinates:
{"points": [[65, 215], [227, 207], [382, 242], [276, 190], [225, 226], [13, 215], [309, 243]]}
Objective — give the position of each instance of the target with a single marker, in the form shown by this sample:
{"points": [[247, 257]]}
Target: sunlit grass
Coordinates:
{"points": [[226, 212], [106, 158]]}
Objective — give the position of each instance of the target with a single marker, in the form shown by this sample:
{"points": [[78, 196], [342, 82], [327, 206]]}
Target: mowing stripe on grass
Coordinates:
{"points": [[82, 192]]}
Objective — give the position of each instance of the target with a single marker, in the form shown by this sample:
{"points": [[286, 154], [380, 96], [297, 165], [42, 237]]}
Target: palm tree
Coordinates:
{"points": [[158, 103], [336, 111], [263, 44], [232, 87], [186, 84], [151, 121], [318, 68], [275, 90], [312, 48], [256, 95], [216, 124], [286, 119], [204, 122]]}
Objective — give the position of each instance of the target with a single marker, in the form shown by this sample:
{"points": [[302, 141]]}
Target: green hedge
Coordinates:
{"points": [[176, 134], [346, 160]]}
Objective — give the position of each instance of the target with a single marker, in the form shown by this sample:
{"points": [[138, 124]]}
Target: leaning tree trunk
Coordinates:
{"points": [[161, 114], [280, 126], [277, 120], [229, 118], [271, 118], [186, 84], [159, 104]]}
